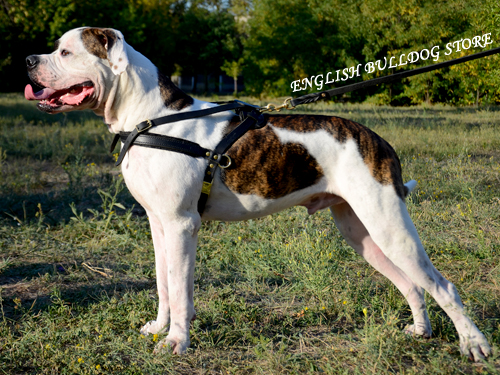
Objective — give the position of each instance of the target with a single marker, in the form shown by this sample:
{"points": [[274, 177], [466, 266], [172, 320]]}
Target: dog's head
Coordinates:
{"points": [[79, 73]]}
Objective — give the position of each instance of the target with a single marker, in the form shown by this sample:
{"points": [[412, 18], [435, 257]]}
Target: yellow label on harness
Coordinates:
{"points": [[205, 189]]}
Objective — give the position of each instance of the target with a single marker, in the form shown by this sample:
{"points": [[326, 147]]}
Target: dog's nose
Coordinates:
{"points": [[32, 61]]}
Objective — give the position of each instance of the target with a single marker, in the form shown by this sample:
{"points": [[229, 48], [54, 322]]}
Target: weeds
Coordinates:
{"points": [[278, 295]]}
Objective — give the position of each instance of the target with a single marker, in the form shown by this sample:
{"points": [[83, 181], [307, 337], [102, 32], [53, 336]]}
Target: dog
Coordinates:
{"points": [[314, 161]]}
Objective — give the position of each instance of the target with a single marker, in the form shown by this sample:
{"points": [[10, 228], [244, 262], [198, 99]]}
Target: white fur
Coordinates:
{"points": [[371, 216]]}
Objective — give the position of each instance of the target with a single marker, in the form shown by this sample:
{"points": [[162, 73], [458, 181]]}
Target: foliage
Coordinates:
{"points": [[290, 39], [278, 41]]}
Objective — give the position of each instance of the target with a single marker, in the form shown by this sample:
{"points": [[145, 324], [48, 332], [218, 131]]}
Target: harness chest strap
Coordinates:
{"points": [[254, 120], [216, 158], [148, 124]]}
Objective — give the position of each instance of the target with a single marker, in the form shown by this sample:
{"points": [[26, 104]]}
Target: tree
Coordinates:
{"points": [[207, 37], [480, 79], [32, 27], [233, 69], [395, 28], [293, 39]]}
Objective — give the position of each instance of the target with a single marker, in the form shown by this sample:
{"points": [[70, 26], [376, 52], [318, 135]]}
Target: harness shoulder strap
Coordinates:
{"points": [[145, 125]]}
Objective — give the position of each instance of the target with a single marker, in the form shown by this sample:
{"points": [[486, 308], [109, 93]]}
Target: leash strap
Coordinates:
{"points": [[310, 98]]}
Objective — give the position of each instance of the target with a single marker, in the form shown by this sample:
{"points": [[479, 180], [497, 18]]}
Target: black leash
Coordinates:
{"points": [[311, 98]]}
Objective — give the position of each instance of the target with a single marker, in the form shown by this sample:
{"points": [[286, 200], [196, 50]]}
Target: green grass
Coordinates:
{"points": [[277, 295]]}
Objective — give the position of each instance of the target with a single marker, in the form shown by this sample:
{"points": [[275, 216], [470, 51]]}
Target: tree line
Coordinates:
{"points": [[272, 43]]}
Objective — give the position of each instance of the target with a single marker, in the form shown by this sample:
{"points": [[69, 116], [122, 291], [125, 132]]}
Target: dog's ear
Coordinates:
{"points": [[107, 44]]}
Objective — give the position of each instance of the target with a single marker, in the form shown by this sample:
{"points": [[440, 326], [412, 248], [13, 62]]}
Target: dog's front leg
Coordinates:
{"points": [[159, 325], [181, 234]]}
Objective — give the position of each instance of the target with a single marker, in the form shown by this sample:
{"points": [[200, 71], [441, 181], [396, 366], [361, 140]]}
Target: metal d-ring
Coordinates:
{"points": [[229, 161]]}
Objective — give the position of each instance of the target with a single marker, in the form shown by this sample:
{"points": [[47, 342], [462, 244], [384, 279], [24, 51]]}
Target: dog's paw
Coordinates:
{"points": [[419, 330], [176, 346], [153, 327], [475, 347]]}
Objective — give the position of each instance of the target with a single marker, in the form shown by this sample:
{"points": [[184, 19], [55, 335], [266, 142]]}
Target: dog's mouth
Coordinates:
{"points": [[51, 100]]}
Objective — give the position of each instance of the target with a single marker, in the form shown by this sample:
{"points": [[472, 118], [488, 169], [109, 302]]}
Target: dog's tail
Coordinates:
{"points": [[409, 186]]}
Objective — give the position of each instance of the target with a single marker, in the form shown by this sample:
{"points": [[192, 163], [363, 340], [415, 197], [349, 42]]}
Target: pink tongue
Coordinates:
{"points": [[40, 95], [78, 98]]}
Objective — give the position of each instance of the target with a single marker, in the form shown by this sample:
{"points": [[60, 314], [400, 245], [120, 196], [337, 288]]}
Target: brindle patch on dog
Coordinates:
{"points": [[262, 165], [270, 169], [172, 96], [95, 40]]}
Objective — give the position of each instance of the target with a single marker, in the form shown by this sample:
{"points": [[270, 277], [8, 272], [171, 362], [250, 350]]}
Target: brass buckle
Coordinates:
{"points": [[150, 125], [229, 161], [271, 107], [207, 186]]}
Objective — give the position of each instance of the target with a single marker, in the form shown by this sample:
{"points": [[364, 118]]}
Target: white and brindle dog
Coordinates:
{"points": [[313, 161]]}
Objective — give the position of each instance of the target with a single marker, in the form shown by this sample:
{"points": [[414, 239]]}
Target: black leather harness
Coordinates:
{"points": [[250, 116]]}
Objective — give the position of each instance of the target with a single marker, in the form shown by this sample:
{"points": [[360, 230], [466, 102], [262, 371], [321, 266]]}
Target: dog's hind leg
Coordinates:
{"points": [[386, 219], [163, 318], [357, 236]]}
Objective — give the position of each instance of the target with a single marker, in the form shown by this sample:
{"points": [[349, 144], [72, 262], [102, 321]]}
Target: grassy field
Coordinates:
{"points": [[278, 295]]}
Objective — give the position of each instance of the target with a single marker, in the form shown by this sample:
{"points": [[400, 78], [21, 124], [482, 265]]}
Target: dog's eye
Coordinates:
{"points": [[65, 52]]}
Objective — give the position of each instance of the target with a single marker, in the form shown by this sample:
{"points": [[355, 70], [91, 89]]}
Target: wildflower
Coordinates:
{"points": [[98, 367], [155, 337], [345, 302], [80, 360], [365, 312]]}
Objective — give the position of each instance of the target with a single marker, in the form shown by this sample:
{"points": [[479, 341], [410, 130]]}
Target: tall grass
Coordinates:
{"points": [[277, 295]]}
